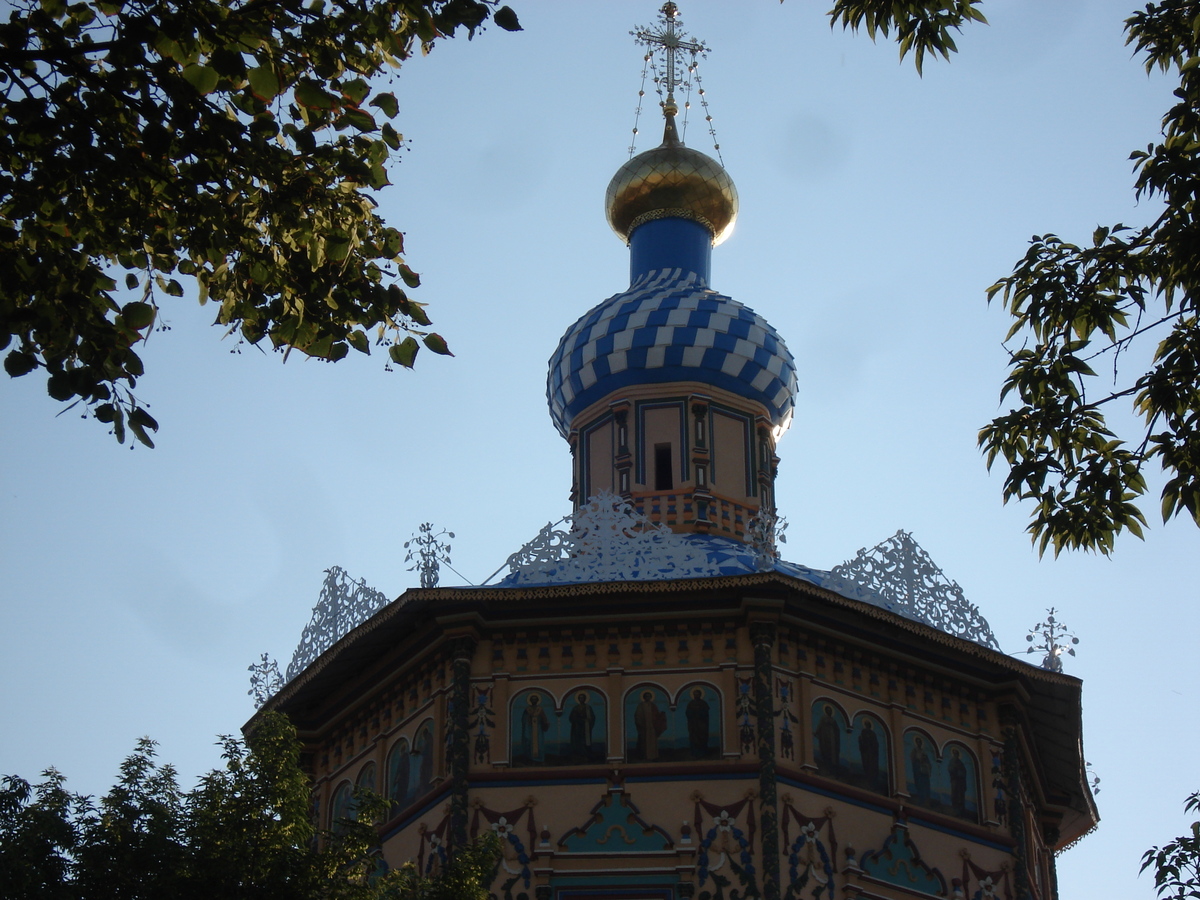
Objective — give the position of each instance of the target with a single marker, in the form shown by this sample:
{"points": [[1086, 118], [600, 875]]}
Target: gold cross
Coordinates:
{"points": [[667, 39]]}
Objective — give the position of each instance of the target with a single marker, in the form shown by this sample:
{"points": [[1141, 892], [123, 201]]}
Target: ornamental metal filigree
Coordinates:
{"points": [[1056, 641], [265, 680], [764, 533], [900, 573], [605, 540], [344, 604], [427, 551]]}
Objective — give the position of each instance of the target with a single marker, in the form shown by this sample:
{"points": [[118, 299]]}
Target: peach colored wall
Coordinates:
{"points": [[808, 667], [600, 459], [729, 467], [661, 426]]}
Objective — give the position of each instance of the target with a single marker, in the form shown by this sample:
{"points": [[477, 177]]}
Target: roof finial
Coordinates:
{"points": [[669, 40]]}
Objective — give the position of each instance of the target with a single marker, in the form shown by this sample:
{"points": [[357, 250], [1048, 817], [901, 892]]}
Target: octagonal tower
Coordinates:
{"points": [[673, 395]]}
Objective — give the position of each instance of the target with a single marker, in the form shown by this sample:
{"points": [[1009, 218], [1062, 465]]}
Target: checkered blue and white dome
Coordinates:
{"points": [[670, 327]]}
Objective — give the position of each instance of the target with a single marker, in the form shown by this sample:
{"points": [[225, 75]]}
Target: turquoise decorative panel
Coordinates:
{"points": [[898, 862], [614, 826]]}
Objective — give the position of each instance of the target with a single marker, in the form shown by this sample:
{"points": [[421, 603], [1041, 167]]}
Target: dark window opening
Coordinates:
{"points": [[662, 468]]}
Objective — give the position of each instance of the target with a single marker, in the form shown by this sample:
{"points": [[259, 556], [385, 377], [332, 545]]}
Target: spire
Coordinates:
{"points": [[668, 40], [672, 204]]}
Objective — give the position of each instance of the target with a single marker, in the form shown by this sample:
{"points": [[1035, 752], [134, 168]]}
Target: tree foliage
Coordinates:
{"points": [[233, 143], [245, 831], [1078, 309], [1177, 864], [921, 26]]}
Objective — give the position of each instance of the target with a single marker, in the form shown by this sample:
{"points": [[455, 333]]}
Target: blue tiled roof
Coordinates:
{"points": [[668, 326]]}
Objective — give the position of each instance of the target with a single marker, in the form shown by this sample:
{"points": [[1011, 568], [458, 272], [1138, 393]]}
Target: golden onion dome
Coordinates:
{"points": [[672, 181]]}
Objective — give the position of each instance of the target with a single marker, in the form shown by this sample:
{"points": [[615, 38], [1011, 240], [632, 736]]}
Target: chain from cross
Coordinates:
{"points": [[667, 39]]}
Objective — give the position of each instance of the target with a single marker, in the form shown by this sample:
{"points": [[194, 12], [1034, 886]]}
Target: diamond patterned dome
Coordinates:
{"points": [[669, 326]]}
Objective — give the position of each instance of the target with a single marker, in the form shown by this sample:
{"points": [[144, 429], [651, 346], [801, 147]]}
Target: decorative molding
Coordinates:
{"points": [[901, 574], [812, 855]]}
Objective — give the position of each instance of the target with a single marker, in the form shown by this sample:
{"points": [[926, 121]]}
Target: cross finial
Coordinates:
{"points": [[669, 39]]}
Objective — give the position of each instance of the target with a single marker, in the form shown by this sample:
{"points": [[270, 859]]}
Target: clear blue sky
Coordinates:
{"points": [[876, 208]]}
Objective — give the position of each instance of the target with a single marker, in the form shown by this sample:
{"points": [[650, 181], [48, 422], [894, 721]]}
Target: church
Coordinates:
{"points": [[652, 704]]}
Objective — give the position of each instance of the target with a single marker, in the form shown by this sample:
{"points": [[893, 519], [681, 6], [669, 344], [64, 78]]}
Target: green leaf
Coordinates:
{"points": [[437, 344], [118, 423], [314, 97], [405, 352], [410, 278], [359, 119], [387, 103], [264, 82], [203, 78], [18, 363], [506, 19], [139, 416], [58, 386], [137, 315], [359, 342], [355, 91], [416, 312]]}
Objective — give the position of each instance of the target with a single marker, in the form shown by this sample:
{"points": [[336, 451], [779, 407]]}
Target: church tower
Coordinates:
{"points": [[672, 395], [651, 704]]}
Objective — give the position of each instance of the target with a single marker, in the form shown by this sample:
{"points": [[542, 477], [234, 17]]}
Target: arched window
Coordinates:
{"points": [[366, 777], [696, 725], [830, 745], [543, 735], [945, 781], [657, 730], [399, 762], [869, 754], [342, 808], [420, 774]]}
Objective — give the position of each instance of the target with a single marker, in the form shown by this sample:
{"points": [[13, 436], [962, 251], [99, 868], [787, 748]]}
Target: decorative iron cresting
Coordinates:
{"points": [[265, 680], [911, 584], [605, 540], [427, 551], [344, 604], [1055, 640], [764, 533]]}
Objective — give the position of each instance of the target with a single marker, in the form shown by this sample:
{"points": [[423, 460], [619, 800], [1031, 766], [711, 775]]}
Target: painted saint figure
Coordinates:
{"points": [[583, 722], [922, 769], [868, 753], [829, 741], [534, 725], [398, 775], [650, 722], [957, 770], [697, 724]]}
